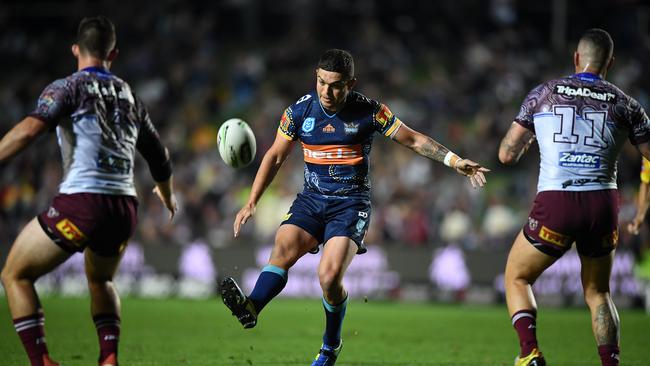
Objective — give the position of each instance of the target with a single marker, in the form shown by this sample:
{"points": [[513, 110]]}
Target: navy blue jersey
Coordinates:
{"points": [[336, 147]]}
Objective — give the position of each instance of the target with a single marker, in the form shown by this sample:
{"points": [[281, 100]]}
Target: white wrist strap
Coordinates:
{"points": [[449, 157]]}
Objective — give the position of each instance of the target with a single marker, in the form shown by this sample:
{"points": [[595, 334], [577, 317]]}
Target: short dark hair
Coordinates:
{"points": [[96, 36], [600, 44], [336, 60]]}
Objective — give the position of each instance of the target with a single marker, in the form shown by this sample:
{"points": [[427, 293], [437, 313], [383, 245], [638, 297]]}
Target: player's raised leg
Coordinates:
{"points": [[105, 306], [337, 256], [32, 255], [604, 317], [525, 264], [291, 243]]}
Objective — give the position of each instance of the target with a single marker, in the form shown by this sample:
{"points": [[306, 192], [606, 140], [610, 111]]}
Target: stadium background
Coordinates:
{"points": [[455, 70]]}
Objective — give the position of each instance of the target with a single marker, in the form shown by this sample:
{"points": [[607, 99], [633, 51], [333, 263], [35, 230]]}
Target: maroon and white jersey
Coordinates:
{"points": [[99, 125], [581, 123]]}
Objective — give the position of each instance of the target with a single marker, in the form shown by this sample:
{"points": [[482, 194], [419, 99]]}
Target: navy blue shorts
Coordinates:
{"points": [[325, 217]]}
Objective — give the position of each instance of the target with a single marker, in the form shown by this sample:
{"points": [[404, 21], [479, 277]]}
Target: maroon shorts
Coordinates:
{"points": [[560, 218], [99, 221]]}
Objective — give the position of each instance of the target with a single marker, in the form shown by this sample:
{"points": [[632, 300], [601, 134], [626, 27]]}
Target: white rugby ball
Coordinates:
{"points": [[236, 143]]}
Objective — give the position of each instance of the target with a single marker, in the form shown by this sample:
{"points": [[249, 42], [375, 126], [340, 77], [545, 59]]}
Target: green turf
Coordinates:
{"points": [[185, 332]]}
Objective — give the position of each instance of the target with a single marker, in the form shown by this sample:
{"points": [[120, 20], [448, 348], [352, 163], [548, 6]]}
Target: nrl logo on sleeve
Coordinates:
{"points": [[584, 92]]}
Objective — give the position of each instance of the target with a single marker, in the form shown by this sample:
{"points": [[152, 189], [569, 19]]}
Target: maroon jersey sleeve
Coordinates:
{"points": [[528, 108], [151, 148], [639, 123], [54, 103]]}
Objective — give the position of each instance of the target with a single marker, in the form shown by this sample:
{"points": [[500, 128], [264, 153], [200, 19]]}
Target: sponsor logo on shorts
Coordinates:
{"points": [[360, 225], [52, 212], [532, 223], [329, 128], [584, 92], [363, 214], [572, 159], [351, 128], [553, 237], [287, 216], [71, 232]]}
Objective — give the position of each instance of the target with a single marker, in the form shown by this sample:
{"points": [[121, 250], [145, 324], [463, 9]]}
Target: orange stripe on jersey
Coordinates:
{"points": [[332, 154]]}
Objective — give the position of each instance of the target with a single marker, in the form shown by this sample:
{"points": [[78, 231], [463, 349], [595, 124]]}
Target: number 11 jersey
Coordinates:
{"points": [[581, 123]]}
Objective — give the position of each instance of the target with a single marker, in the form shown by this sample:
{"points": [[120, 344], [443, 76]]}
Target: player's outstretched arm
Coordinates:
{"points": [[271, 163], [20, 136], [432, 149], [515, 143]]}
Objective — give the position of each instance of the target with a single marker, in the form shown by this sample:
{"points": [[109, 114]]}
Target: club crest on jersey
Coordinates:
{"points": [[329, 128], [308, 124], [351, 128]]}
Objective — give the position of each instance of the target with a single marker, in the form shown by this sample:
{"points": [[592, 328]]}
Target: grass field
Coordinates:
{"points": [[185, 332]]}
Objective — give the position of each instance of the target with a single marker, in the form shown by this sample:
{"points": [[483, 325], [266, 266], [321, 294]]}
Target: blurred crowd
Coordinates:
{"points": [[457, 73]]}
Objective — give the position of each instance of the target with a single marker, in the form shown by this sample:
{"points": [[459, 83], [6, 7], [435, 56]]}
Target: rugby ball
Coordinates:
{"points": [[236, 143]]}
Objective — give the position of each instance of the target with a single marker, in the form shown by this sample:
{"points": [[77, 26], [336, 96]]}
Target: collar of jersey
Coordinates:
{"points": [[587, 76], [330, 115], [98, 69]]}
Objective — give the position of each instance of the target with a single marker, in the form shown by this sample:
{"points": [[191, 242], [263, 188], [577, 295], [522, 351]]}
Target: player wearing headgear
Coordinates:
{"points": [[581, 123], [99, 125], [335, 126]]}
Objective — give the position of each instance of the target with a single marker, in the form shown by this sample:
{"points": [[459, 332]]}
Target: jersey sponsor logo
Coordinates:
{"points": [[383, 115], [71, 232], [329, 128], [308, 124], [351, 128], [553, 237], [332, 154], [303, 98], [570, 159], [584, 92]]}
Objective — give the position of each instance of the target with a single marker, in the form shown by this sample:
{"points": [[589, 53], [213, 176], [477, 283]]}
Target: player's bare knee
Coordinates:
{"points": [[595, 296], [284, 255], [329, 278], [99, 283]]}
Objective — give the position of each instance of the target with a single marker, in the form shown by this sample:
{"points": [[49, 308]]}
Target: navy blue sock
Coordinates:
{"points": [[269, 284], [334, 315]]}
